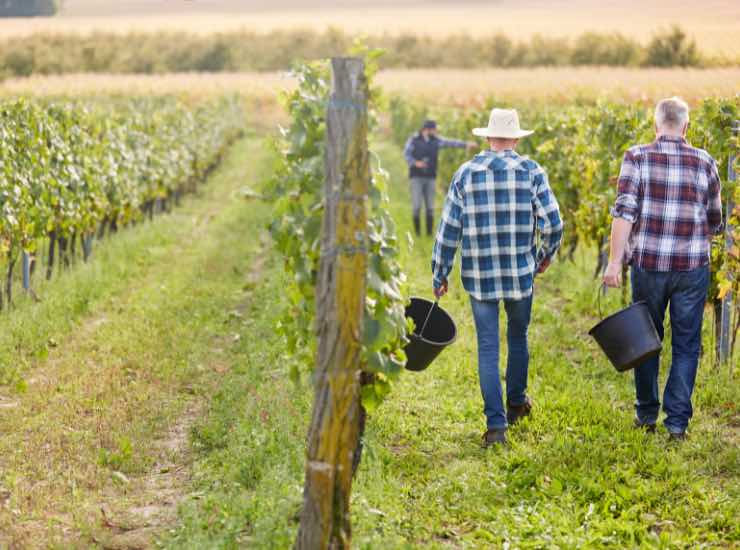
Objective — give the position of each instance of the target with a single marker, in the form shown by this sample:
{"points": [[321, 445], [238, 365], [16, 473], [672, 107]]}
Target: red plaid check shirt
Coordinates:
{"points": [[670, 191]]}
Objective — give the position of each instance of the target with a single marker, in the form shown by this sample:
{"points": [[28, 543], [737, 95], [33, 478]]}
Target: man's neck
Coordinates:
{"points": [[502, 145], [669, 133]]}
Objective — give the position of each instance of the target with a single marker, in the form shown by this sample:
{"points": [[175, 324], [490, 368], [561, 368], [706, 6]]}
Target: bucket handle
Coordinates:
{"points": [[435, 304], [599, 293]]}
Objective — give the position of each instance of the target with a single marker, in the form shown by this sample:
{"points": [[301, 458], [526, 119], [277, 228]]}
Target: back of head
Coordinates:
{"points": [[672, 115]]}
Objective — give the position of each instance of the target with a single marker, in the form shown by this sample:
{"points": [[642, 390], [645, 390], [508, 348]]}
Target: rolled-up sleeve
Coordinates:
{"points": [[714, 201], [449, 234], [628, 186], [549, 222]]}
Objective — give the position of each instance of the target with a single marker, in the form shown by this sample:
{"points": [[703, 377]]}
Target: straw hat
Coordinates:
{"points": [[504, 123]]}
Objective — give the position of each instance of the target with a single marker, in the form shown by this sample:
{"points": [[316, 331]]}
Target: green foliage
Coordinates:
{"points": [[166, 52], [672, 48], [714, 132], [296, 188], [605, 49], [119, 457], [575, 475], [581, 147], [297, 191], [143, 335], [67, 165], [27, 8]]}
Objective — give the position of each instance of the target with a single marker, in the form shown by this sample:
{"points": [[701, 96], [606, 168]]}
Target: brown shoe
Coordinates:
{"points": [[494, 437], [515, 412], [676, 437]]}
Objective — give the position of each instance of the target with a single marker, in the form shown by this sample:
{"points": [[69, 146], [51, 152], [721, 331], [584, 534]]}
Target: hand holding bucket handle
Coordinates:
{"points": [[438, 293], [613, 274], [441, 291], [431, 309]]}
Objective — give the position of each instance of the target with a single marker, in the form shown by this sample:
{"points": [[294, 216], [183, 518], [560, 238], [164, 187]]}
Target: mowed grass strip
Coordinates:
{"points": [[139, 334], [576, 474]]}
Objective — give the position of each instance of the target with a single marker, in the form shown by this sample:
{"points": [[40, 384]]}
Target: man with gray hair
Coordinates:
{"points": [[668, 208]]}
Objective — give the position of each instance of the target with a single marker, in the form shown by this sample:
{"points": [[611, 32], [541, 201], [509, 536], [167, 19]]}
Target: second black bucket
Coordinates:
{"points": [[628, 337], [440, 331]]}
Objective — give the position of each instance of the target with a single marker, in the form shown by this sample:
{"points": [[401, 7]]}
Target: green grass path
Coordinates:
{"points": [[575, 475], [148, 399], [111, 368]]}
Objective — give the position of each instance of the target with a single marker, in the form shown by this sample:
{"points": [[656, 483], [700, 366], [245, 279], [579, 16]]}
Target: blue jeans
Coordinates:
{"points": [[686, 292], [518, 313]]}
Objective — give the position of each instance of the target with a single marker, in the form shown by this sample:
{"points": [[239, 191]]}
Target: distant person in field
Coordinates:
{"points": [[422, 153], [496, 206], [668, 208]]}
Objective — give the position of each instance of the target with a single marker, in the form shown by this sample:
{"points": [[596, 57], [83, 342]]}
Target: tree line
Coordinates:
{"points": [[166, 52], [27, 8]]}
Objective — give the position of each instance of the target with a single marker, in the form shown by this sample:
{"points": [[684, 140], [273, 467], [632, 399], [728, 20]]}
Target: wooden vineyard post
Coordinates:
{"points": [[727, 302], [26, 261], [340, 300]]}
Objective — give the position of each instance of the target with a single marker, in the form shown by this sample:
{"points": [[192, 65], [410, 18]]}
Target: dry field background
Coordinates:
{"points": [[258, 85], [714, 23], [564, 84], [449, 86]]}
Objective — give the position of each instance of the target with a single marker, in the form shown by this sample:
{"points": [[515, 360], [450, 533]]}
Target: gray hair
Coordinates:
{"points": [[671, 113]]}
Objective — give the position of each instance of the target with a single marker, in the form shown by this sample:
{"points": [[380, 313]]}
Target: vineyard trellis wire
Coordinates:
{"points": [[728, 334]]}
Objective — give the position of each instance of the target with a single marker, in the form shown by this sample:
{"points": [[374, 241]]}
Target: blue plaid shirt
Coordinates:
{"points": [[498, 203]]}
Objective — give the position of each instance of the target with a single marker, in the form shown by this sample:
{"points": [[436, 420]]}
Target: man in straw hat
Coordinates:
{"points": [[421, 153], [496, 204], [667, 209]]}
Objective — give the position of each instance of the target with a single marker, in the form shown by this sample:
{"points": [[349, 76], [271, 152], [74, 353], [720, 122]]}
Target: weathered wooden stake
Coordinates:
{"points": [[726, 320], [87, 242], [26, 260], [333, 433], [50, 262], [12, 258]]}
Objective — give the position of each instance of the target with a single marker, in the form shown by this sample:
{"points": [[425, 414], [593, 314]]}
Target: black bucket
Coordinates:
{"points": [[438, 332], [628, 337]]}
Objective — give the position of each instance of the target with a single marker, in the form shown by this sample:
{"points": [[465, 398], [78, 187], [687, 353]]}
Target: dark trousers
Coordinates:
{"points": [[685, 292], [518, 314], [422, 192]]}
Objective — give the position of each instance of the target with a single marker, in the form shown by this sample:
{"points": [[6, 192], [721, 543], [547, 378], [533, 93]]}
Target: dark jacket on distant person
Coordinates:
{"points": [[418, 148]]}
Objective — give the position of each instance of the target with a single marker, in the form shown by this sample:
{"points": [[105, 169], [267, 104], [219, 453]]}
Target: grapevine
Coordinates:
{"points": [[296, 190], [71, 169], [581, 146]]}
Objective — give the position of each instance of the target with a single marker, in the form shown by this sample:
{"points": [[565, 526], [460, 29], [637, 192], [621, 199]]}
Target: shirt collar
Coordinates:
{"points": [[673, 139], [504, 153]]}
